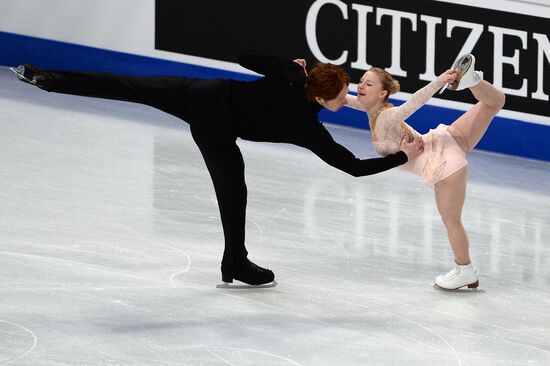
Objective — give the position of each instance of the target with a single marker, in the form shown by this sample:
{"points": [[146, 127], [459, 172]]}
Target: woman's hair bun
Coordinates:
{"points": [[395, 87]]}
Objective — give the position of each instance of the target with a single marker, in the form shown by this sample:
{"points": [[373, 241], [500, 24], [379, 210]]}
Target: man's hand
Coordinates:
{"points": [[414, 148], [301, 62]]}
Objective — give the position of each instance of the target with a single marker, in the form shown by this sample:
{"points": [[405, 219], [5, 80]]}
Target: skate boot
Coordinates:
{"points": [[459, 277], [250, 274], [467, 77], [31, 74]]}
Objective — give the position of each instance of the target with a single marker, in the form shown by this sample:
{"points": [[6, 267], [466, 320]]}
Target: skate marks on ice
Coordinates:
{"points": [[117, 355], [426, 318], [10, 360], [358, 335], [216, 350], [173, 276], [72, 264], [180, 285], [383, 309]]}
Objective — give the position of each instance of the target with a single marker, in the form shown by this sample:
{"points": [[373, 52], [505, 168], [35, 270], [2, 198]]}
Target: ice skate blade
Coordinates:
{"points": [[21, 77], [227, 285], [472, 287]]}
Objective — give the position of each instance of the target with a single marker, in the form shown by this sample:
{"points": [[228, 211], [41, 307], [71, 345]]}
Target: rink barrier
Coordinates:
{"points": [[505, 135]]}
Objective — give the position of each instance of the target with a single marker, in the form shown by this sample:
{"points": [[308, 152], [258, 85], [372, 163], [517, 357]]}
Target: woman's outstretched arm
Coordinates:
{"points": [[353, 103], [419, 98]]}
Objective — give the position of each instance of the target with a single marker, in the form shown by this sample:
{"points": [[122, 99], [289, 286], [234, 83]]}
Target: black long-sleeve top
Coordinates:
{"points": [[275, 108]]}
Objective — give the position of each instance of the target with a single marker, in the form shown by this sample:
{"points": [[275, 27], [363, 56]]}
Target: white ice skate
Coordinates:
{"points": [[457, 278], [467, 76]]}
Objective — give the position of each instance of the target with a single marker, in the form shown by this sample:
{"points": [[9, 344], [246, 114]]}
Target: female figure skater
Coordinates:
{"points": [[282, 106], [442, 164]]}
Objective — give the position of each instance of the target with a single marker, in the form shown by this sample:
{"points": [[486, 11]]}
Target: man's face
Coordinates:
{"points": [[338, 102]]}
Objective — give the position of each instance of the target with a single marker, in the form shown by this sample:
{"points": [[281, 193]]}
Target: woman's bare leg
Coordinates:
{"points": [[450, 194], [469, 128]]}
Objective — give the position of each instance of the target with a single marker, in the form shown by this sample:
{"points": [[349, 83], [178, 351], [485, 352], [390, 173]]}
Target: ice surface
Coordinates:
{"points": [[110, 242]]}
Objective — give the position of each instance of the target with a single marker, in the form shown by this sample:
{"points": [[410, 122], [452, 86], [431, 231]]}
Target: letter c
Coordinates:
{"points": [[311, 30]]}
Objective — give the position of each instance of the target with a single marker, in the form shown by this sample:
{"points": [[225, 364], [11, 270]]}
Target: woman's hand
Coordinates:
{"points": [[301, 62], [448, 77]]}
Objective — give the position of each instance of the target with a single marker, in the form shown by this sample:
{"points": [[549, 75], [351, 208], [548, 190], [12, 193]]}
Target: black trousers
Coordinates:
{"points": [[201, 103]]}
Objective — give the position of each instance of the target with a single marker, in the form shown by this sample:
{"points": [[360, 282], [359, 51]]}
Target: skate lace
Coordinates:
{"points": [[452, 273], [256, 267]]}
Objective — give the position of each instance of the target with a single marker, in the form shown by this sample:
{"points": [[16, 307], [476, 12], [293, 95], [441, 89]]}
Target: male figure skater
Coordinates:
{"points": [[282, 106]]}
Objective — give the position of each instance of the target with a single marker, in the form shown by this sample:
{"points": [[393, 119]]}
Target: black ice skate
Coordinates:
{"points": [[30, 74], [252, 275]]}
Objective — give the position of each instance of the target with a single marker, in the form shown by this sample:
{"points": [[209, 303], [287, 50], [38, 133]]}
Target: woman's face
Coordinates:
{"points": [[336, 103], [370, 90]]}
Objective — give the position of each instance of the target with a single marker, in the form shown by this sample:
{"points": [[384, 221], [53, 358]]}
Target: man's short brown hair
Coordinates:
{"points": [[326, 81]]}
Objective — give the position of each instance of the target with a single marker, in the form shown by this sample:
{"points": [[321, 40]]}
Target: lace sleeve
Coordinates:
{"points": [[353, 103], [385, 148], [417, 100]]}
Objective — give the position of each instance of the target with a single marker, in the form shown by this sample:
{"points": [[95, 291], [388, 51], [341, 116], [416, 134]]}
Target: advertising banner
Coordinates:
{"points": [[414, 40]]}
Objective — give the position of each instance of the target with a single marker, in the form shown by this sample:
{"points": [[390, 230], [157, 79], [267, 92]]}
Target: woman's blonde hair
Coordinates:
{"points": [[389, 84]]}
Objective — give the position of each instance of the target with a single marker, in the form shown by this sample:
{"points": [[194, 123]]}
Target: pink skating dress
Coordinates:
{"points": [[442, 156]]}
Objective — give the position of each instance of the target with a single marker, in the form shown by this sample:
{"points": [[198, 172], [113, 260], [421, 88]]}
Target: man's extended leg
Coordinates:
{"points": [[162, 92]]}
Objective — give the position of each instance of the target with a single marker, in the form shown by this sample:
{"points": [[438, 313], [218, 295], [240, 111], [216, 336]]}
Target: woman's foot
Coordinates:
{"points": [[467, 77], [460, 276]]}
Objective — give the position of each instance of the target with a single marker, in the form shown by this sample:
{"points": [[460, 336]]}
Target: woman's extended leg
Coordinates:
{"points": [[469, 128]]}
